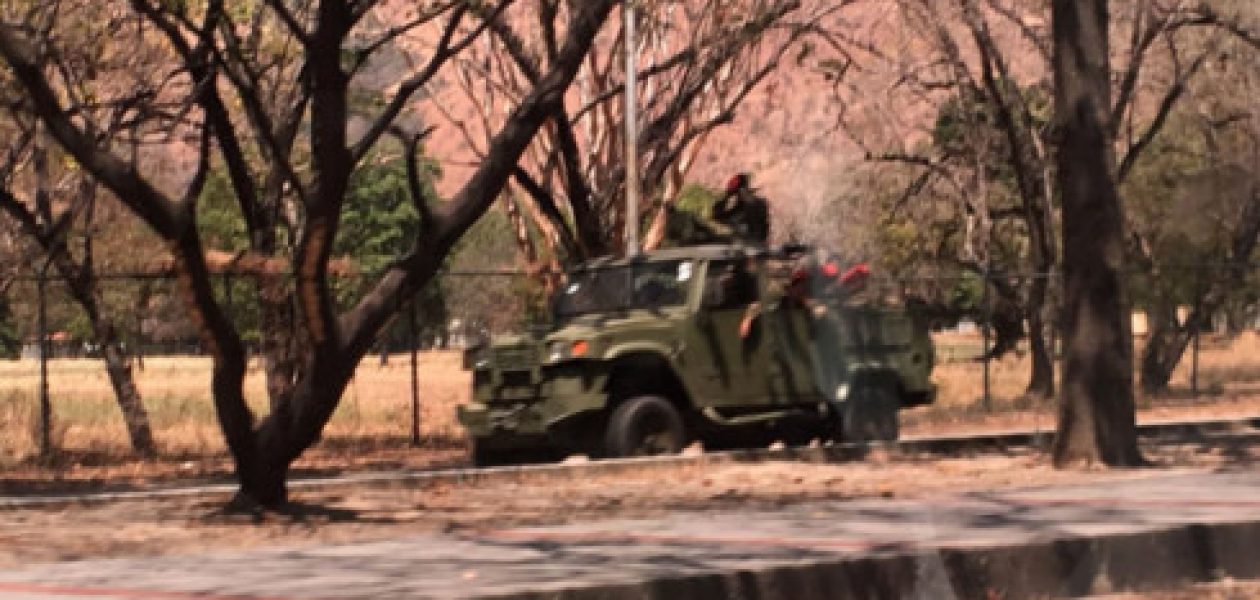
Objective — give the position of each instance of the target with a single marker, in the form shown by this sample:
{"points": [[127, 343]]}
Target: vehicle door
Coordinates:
{"points": [[730, 368]]}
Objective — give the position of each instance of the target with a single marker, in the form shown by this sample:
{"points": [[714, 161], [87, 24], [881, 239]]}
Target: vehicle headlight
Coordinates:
{"points": [[568, 349]]}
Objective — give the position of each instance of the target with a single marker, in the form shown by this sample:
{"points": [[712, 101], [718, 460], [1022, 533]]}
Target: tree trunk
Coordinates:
{"points": [[1029, 163], [1041, 381], [118, 365], [291, 428], [280, 345], [1039, 303], [1097, 417], [1166, 341], [117, 360]]}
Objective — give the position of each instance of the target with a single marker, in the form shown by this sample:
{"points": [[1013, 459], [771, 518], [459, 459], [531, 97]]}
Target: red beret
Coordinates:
{"points": [[859, 272]]}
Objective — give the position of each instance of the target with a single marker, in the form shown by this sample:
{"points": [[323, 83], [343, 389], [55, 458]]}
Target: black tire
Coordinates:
{"points": [[870, 414], [644, 426]]}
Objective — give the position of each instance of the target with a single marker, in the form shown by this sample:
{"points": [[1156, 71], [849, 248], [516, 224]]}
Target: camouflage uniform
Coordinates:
{"points": [[827, 288]]}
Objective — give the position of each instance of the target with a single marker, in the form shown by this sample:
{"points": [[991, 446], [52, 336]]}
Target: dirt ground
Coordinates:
{"points": [[1220, 590], [362, 513]]}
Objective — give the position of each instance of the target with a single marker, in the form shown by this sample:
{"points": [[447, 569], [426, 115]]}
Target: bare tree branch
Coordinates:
{"points": [[445, 50], [1166, 105]]}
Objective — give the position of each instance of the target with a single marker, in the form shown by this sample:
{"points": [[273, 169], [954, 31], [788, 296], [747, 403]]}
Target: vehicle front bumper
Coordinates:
{"points": [[526, 418]]}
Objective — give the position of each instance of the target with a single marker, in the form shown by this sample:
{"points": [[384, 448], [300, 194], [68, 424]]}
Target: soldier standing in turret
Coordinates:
{"points": [[743, 212]]}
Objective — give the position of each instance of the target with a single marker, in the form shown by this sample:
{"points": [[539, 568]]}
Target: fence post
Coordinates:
{"points": [[987, 301], [415, 375], [1195, 323], [45, 404]]}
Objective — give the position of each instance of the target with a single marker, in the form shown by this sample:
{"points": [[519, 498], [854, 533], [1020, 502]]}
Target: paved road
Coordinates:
{"points": [[950, 546]]}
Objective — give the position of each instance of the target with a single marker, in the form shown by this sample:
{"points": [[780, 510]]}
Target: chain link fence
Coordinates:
{"points": [[55, 392]]}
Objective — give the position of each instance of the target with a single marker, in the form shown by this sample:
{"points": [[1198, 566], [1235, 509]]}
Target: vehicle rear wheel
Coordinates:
{"points": [[644, 426], [870, 414]]}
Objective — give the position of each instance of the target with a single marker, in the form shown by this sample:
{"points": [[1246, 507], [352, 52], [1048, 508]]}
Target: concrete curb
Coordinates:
{"points": [[1160, 431], [1151, 560]]}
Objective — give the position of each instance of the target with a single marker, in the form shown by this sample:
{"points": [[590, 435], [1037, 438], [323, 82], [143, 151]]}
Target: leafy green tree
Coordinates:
{"points": [[378, 221], [1193, 220]]}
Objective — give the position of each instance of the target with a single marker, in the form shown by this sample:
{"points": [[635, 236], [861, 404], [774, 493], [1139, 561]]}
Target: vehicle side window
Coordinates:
{"points": [[654, 289], [729, 284]]}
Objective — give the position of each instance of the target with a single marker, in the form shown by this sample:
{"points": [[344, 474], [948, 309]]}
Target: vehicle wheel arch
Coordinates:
{"points": [[871, 411], [879, 375], [645, 372]]}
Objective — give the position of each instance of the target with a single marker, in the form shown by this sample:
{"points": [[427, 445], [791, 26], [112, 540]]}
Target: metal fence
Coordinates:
{"points": [[56, 340]]}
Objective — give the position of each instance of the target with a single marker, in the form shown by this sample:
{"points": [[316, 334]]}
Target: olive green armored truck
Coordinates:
{"points": [[712, 343]]}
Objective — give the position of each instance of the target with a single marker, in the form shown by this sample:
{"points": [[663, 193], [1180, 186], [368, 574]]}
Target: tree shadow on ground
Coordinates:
{"points": [[297, 513]]}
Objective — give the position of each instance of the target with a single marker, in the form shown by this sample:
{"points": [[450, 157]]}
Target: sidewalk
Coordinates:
{"points": [[1133, 534]]}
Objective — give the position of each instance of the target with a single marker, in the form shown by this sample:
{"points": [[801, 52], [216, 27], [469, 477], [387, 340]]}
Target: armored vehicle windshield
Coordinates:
{"points": [[654, 284]]}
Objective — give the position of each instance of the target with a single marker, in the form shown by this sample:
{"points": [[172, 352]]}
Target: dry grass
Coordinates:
{"points": [[176, 391], [377, 404], [1226, 365]]}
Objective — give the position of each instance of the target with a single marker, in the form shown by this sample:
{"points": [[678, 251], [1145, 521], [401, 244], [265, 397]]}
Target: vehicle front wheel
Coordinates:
{"points": [[644, 426], [870, 414]]}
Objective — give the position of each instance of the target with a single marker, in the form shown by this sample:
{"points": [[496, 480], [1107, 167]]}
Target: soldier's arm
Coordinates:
{"points": [[750, 315], [723, 207]]}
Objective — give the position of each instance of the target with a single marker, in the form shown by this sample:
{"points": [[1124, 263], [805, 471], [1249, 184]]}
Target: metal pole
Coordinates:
{"points": [[987, 402], [45, 404], [415, 377], [1195, 323], [632, 129]]}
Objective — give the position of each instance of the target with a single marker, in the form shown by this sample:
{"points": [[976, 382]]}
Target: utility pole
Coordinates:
{"points": [[628, 14]]}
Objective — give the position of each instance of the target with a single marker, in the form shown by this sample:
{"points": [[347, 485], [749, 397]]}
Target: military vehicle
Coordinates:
{"points": [[648, 354]]}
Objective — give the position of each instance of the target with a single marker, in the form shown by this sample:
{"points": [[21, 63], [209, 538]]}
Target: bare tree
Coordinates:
{"points": [[51, 205], [990, 127], [243, 101], [983, 70], [701, 60]]}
